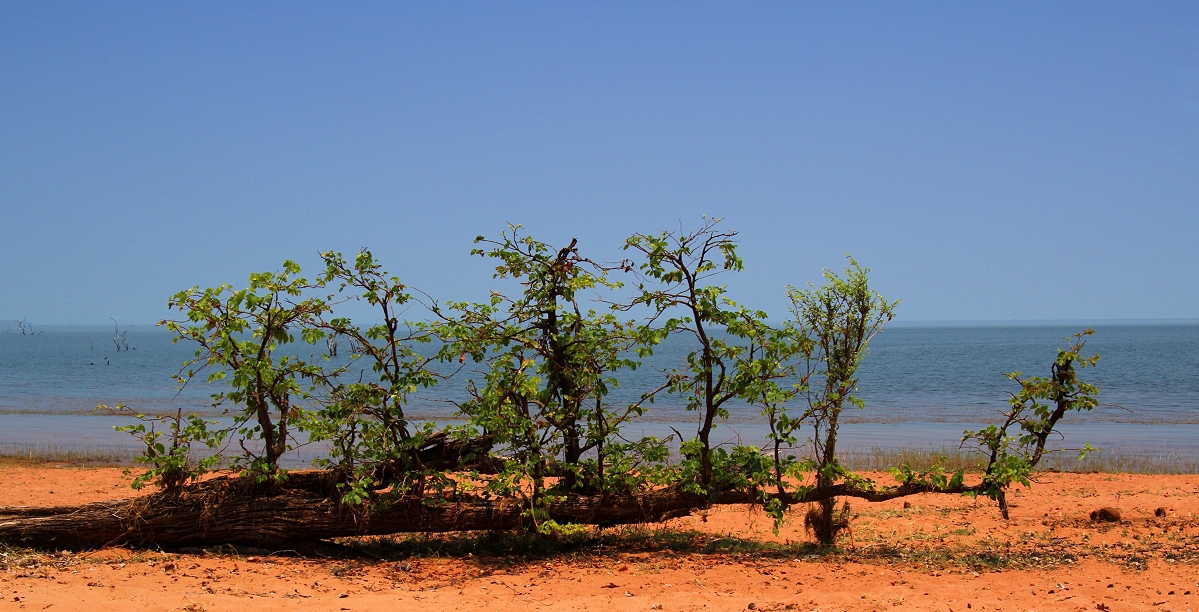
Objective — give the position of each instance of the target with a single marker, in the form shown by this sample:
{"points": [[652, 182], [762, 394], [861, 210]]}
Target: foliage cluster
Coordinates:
{"points": [[539, 364]]}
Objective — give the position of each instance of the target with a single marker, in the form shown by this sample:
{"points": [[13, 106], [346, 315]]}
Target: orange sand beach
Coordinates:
{"points": [[939, 552]]}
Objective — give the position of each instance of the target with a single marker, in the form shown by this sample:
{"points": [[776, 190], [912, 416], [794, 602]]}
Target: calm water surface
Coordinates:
{"points": [[922, 384]]}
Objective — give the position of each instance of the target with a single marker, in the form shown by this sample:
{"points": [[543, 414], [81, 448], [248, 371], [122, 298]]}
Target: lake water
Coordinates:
{"points": [[922, 384]]}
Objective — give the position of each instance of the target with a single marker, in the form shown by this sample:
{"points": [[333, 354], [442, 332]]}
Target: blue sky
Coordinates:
{"points": [[988, 161]]}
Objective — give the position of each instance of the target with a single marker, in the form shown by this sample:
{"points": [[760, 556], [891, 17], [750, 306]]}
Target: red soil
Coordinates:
{"points": [[945, 552]]}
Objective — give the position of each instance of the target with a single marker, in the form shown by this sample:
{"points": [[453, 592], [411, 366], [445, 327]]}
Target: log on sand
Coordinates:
{"points": [[305, 508], [234, 511]]}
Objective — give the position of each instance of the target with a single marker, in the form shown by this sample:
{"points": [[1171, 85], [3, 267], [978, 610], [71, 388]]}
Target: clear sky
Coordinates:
{"points": [[988, 161]]}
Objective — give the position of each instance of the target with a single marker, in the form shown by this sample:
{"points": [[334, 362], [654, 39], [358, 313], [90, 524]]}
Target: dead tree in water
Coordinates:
{"points": [[119, 338]]}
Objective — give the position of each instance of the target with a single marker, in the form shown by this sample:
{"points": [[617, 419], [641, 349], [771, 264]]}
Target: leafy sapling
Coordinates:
{"points": [[240, 333], [676, 271], [167, 444], [374, 444], [550, 364], [1015, 446], [773, 359], [839, 318]]}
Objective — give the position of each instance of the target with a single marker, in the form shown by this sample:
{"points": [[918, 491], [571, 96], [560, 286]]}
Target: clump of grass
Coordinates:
{"points": [[82, 457], [878, 459], [1122, 463], [953, 459]]}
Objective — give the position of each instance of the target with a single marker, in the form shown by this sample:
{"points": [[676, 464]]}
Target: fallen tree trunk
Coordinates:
{"points": [[236, 511], [273, 519]]}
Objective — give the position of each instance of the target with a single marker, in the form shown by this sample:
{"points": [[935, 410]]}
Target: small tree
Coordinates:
{"points": [[373, 440], [168, 453], [1035, 410], [772, 360], [549, 363], [239, 333], [676, 270], [839, 318]]}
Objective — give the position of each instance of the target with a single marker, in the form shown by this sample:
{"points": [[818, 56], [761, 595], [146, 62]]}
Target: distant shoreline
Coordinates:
{"points": [[1119, 442], [898, 323]]}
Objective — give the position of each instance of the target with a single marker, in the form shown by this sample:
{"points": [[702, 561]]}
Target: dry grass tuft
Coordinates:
{"points": [[81, 457], [953, 459]]}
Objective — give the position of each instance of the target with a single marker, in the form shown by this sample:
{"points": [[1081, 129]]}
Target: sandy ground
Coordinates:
{"points": [[943, 552]]}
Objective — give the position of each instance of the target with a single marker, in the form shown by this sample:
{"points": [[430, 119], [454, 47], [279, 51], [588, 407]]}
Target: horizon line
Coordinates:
{"points": [[896, 322]]}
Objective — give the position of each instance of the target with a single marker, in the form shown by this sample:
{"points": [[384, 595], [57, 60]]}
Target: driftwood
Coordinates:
{"points": [[230, 510]]}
